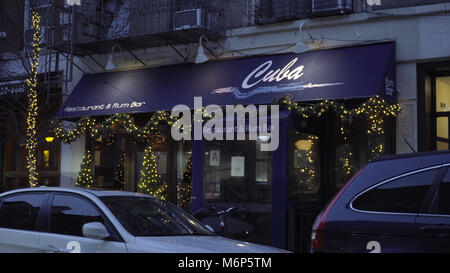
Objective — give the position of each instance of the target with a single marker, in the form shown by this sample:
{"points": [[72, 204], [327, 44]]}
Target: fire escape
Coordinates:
{"points": [[99, 25]]}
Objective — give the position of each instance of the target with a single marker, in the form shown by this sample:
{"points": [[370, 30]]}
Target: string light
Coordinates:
{"points": [[150, 181], [125, 121], [31, 141], [375, 110], [119, 176], [184, 187], [85, 175]]}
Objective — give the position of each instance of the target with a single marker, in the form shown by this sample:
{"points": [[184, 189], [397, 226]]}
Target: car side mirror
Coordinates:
{"points": [[95, 230]]}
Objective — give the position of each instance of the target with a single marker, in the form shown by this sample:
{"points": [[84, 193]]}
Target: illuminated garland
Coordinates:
{"points": [[110, 140], [119, 177], [85, 175], [88, 125], [31, 141], [184, 187], [375, 110], [150, 181], [94, 130]]}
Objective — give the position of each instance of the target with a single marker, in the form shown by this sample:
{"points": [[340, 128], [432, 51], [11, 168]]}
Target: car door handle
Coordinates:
{"points": [[442, 229], [53, 249]]}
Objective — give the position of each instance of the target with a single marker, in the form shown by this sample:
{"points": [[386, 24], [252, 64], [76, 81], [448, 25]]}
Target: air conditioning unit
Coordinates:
{"points": [[331, 7], [192, 18], [274, 11]]}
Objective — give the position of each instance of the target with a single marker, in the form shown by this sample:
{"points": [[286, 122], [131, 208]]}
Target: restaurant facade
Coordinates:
{"points": [[378, 57], [278, 193]]}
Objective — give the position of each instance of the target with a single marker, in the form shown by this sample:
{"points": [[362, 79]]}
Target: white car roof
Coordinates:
{"points": [[98, 193]]}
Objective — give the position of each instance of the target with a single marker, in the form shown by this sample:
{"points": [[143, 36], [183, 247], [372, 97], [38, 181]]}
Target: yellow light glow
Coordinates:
{"points": [[303, 144], [46, 158]]}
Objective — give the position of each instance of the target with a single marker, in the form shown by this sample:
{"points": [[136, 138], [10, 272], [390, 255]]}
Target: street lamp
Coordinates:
{"points": [[300, 46], [110, 65], [201, 56]]}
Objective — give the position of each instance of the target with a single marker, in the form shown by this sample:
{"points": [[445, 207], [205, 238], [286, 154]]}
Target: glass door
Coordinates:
{"points": [[442, 112], [304, 176], [238, 174]]}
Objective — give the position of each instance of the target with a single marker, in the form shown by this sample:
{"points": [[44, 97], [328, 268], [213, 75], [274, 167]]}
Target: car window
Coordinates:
{"points": [[145, 216], [21, 211], [403, 195], [69, 213], [444, 195]]}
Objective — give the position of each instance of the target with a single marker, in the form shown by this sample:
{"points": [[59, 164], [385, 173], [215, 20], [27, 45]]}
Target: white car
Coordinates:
{"points": [[53, 219]]}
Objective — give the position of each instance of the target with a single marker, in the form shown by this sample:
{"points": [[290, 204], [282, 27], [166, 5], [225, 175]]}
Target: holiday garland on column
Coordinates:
{"points": [[32, 111], [85, 175], [184, 187], [119, 176], [150, 181]]}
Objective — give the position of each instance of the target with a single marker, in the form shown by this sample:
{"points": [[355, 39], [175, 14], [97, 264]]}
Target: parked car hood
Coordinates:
{"points": [[202, 244]]}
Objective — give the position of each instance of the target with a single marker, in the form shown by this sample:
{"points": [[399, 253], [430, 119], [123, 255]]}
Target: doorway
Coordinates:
{"points": [[433, 106], [304, 183], [442, 112]]}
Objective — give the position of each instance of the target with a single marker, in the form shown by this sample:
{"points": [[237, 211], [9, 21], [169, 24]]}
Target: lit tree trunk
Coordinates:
{"points": [[31, 141]]}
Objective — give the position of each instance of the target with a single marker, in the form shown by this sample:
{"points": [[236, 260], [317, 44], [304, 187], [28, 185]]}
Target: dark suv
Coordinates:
{"points": [[395, 203]]}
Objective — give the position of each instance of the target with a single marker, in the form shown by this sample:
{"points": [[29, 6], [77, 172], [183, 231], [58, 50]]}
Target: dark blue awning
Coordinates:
{"points": [[341, 73]]}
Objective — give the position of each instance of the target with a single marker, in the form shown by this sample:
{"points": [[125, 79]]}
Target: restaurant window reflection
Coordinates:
{"points": [[237, 172], [356, 147], [112, 155], [304, 169], [183, 161]]}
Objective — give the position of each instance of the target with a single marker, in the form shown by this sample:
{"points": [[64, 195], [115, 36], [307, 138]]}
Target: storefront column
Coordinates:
{"points": [[198, 152], [71, 156], [280, 187]]}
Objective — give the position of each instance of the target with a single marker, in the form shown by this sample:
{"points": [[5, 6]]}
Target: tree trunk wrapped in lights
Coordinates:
{"points": [[85, 175], [31, 141], [150, 181]]}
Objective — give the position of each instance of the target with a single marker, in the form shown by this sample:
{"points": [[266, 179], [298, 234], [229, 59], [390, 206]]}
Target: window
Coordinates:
{"points": [[304, 167], [444, 193], [144, 216], [442, 112], [21, 211], [403, 195], [70, 213], [237, 172]]}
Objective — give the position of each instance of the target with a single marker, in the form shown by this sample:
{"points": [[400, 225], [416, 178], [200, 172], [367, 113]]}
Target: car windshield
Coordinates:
{"points": [[146, 216]]}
